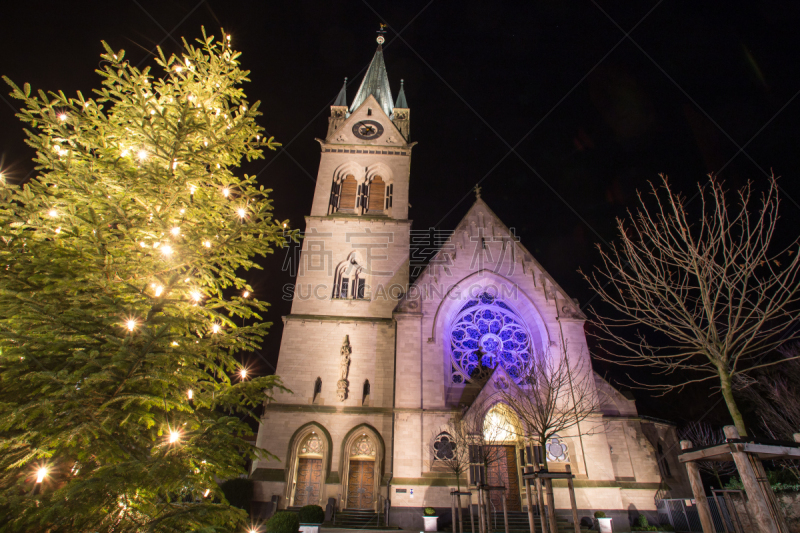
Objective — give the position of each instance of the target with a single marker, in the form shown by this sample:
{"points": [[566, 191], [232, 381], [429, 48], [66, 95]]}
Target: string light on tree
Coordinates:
{"points": [[246, 294], [149, 244], [243, 373], [242, 212]]}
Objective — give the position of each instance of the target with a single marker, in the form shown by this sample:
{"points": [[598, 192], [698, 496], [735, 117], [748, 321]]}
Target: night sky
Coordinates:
{"points": [[548, 105]]}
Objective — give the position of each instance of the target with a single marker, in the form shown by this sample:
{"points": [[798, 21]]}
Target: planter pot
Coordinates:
{"points": [[309, 528], [604, 525], [431, 523]]}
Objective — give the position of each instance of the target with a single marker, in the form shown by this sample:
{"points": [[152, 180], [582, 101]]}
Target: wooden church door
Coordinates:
{"points": [[503, 472], [361, 485], [309, 480]]}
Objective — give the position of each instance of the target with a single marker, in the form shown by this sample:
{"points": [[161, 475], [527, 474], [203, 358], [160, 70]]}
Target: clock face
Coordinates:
{"points": [[367, 129]]}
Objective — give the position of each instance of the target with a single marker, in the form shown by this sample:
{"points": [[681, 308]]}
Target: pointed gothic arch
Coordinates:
{"points": [[363, 452], [308, 465]]}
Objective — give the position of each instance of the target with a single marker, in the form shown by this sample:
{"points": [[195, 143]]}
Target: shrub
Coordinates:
{"points": [[238, 492], [430, 511], [284, 522], [312, 514], [599, 514], [641, 521]]}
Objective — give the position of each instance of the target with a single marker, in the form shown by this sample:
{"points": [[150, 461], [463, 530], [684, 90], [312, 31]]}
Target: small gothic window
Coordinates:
{"points": [[365, 397], [369, 111], [363, 447], [443, 447], [349, 280], [389, 193], [317, 389]]}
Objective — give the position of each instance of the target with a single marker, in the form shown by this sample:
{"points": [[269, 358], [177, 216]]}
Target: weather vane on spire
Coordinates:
{"points": [[477, 192], [381, 32]]}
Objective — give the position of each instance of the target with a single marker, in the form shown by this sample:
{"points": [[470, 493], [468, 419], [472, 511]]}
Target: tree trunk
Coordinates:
{"points": [[733, 409]]}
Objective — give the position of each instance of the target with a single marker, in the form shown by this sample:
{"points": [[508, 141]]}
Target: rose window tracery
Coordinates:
{"points": [[556, 450], [312, 445], [485, 333], [363, 447], [444, 449]]}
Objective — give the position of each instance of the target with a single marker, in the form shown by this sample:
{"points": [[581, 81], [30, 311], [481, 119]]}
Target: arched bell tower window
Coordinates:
{"points": [[344, 195], [350, 280], [377, 196]]}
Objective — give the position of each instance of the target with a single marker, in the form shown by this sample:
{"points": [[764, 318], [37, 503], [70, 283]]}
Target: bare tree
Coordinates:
{"points": [[702, 434], [713, 287], [555, 395]]}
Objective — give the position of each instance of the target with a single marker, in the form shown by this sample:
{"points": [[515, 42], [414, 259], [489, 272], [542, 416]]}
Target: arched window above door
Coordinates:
{"points": [[311, 447], [363, 447]]}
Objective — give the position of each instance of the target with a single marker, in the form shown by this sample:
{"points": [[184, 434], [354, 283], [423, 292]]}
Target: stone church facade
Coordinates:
{"points": [[377, 367]]}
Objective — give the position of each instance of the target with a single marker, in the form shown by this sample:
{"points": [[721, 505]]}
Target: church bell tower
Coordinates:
{"points": [[333, 433]]}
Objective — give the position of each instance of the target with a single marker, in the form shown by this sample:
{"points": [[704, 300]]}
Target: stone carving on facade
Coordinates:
{"points": [[568, 311], [344, 369]]}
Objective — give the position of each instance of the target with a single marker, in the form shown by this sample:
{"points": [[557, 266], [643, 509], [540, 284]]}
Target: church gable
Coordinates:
{"points": [[482, 242], [368, 125]]}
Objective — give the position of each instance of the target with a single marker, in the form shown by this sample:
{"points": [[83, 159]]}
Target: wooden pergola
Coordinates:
{"points": [[748, 454]]}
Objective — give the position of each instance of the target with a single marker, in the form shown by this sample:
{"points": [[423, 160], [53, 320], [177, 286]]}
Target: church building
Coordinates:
{"points": [[378, 366]]}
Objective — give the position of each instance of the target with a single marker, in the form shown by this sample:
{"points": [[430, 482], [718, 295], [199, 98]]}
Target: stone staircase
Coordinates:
{"points": [[518, 523], [358, 519]]}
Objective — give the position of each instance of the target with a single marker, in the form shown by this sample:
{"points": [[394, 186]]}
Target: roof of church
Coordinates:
{"points": [[481, 204], [375, 83], [342, 98], [401, 98]]}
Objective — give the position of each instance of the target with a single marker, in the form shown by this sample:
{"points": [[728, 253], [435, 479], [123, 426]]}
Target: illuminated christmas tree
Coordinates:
{"points": [[120, 296]]}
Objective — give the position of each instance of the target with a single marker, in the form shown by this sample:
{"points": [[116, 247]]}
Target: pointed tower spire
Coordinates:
{"points": [[376, 81], [401, 98], [341, 100]]}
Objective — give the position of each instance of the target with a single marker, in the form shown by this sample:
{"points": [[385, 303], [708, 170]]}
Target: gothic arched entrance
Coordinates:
{"points": [[363, 452], [308, 465], [500, 429]]}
